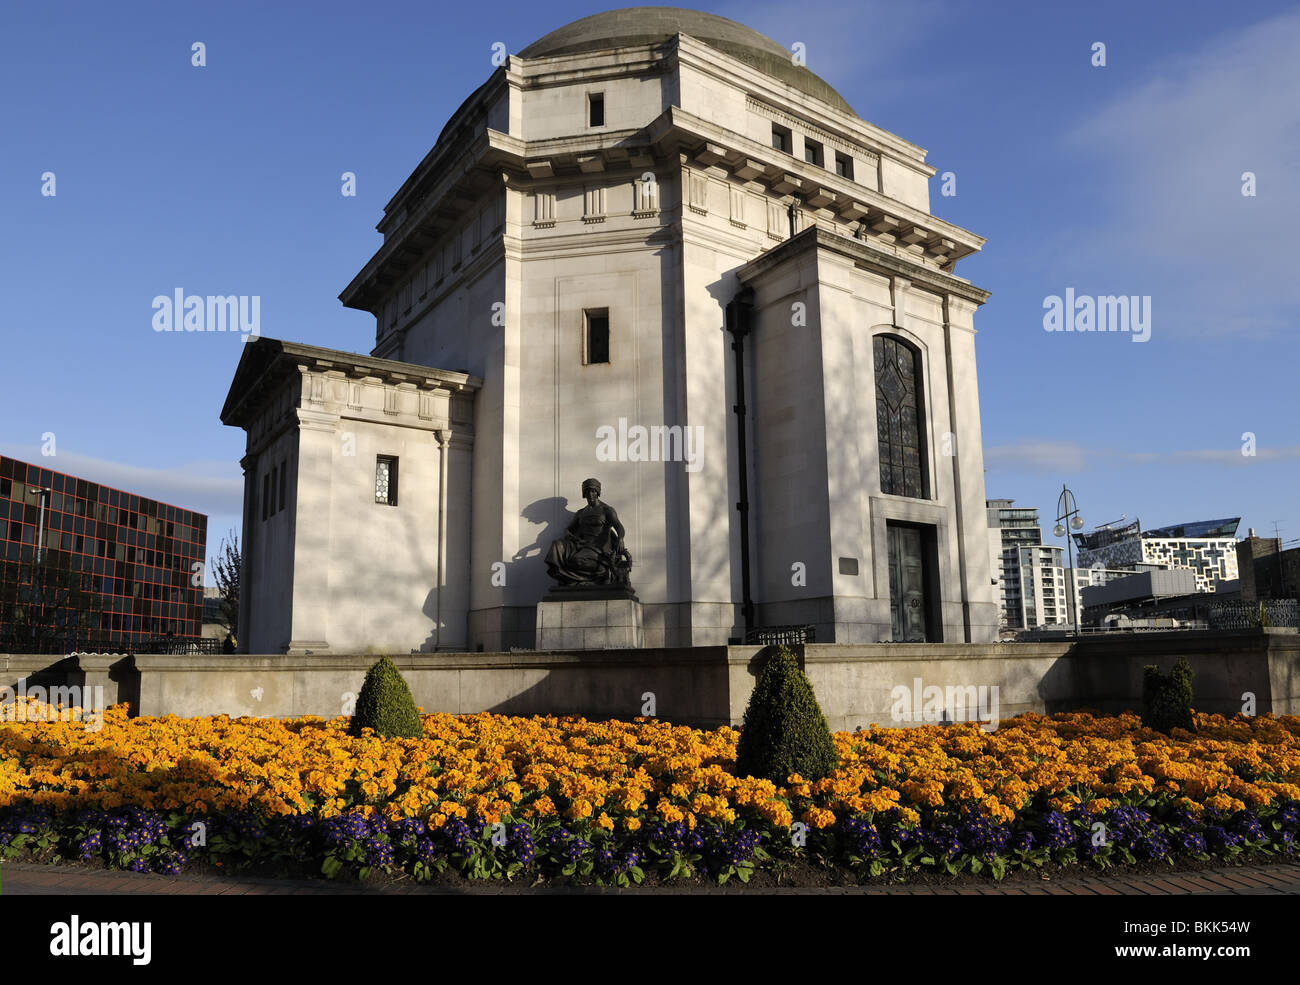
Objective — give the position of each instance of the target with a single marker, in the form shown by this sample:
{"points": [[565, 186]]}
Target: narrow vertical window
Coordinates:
{"points": [[899, 418], [266, 493], [386, 480], [283, 469], [597, 336], [596, 109]]}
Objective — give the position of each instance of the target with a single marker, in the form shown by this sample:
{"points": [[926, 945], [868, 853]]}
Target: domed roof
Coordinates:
{"points": [[649, 25]]}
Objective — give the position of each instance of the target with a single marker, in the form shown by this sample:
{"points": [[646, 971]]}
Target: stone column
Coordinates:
{"points": [[317, 445], [454, 538], [979, 607], [247, 545]]}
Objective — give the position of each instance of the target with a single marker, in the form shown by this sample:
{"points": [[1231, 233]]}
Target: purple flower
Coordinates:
{"points": [[1194, 843]]}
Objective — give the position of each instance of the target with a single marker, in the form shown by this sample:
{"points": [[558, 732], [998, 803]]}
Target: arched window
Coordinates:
{"points": [[899, 418]]}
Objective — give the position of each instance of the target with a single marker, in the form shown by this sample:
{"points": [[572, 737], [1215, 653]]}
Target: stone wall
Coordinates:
{"points": [[703, 686]]}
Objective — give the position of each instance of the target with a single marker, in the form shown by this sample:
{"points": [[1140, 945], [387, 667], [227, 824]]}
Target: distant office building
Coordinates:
{"points": [[1077, 579], [1029, 574], [1207, 548], [1042, 586], [1149, 599], [139, 553], [1267, 571], [1010, 528], [1045, 586], [1035, 585]]}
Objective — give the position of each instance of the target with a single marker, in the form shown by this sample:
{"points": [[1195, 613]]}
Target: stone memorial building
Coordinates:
{"points": [[653, 249]]}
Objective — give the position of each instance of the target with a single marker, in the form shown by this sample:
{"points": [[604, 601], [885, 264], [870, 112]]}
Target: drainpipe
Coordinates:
{"points": [[444, 447], [739, 317]]}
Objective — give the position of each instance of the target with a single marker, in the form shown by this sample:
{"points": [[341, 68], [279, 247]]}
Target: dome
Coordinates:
{"points": [[650, 25]]}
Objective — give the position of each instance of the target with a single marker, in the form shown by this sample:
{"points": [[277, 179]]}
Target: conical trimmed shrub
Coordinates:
{"points": [[385, 704], [784, 730], [1167, 698]]}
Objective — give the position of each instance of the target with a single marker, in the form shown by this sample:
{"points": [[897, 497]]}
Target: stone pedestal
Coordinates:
{"points": [[586, 623]]}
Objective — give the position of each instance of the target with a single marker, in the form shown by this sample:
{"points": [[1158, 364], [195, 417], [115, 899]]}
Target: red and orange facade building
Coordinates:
{"points": [[139, 556]]}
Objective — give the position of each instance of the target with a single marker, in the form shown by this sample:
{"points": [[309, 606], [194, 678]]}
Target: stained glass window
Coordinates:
{"points": [[898, 418], [386, 480]]}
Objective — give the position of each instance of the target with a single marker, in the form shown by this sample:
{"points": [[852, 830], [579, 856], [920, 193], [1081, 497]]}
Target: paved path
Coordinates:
{"points": [[53, 880]]}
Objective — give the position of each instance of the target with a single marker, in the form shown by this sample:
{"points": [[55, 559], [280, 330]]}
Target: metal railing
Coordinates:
{"points": [[1239, 614], [172, 644], [97, 643], [777, 635]]}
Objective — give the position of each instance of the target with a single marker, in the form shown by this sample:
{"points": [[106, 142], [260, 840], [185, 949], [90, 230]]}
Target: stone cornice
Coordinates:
{"points": [[391, 371], [592, 66], [442, 153], [268, 365], [825, 136], [678, 135], [866, 255], [888, 219], [428, 214], [764, 88], [454, 179]]}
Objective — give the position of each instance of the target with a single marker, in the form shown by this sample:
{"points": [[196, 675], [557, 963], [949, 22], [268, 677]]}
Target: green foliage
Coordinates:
{"points": [[225, 570], [1167, 698], [784, 730], [385, 704]]}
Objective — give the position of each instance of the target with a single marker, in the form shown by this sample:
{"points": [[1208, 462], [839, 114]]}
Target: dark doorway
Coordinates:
{"points": [[913, 594]]}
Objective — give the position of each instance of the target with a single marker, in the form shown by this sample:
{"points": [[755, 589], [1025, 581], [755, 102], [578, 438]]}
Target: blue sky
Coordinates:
{"points": [[1122, 179]]}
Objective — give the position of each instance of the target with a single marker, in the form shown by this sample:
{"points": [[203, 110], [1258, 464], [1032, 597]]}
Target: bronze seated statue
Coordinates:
{"points": [[591, 554]]}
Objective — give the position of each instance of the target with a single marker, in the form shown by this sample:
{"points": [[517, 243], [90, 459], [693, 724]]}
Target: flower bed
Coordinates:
{"points": [[492, 796]]}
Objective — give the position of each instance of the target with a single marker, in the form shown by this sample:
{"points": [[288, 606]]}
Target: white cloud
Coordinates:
{"points": [[213, 488], [1170, 155], [1037, 456], [1064, 457]]}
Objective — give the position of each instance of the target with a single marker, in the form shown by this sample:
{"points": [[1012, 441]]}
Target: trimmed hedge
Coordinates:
{"points": [[1167, 698], [385, 704], [784, 730]]}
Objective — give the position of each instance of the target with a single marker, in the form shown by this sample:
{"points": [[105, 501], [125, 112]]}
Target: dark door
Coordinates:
{"points": [[907, 602]]}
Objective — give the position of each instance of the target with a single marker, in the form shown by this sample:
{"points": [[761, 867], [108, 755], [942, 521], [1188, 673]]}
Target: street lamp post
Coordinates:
{"points": [[1068, 510], [44, 493], [37, 594]]}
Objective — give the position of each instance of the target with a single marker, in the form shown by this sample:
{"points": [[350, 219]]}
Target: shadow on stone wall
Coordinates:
{"points": [[696, 686], [115, 673], [694, 692]]}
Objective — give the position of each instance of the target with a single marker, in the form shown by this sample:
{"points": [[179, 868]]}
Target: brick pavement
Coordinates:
{"points": [[53, 880]]}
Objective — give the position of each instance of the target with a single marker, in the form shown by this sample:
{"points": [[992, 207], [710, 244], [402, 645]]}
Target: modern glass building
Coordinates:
{"points": [[1206, 547], [140, 554]]}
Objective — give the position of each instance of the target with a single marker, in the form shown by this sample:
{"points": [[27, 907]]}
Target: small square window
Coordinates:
{"points": [[386, 480], [596, 109], [812, 152], [596, 349], [781, 138], [844, 166]]}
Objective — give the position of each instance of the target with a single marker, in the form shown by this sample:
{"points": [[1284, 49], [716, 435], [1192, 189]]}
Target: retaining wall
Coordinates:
{"points": [[703, 686]]}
